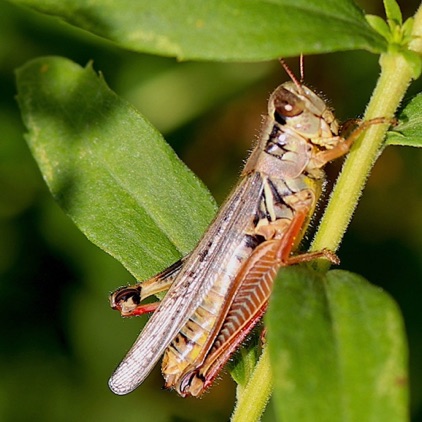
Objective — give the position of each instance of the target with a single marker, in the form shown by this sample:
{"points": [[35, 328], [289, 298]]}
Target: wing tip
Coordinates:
{"points": [[119, 388]]}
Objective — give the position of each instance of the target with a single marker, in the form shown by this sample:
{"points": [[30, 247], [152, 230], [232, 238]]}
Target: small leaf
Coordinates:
{"points": [[109, 169], [407, 28], [414, 60], [379, 25], [409, 130], [393, 12], [225, 30], [337, 348]]}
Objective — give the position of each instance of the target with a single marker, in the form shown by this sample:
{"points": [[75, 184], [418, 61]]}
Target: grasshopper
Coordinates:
{"points": [[218, 293]]}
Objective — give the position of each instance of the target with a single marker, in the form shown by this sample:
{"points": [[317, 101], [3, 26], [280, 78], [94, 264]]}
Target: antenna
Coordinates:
{"points": [[291, 74], [302, 68]]}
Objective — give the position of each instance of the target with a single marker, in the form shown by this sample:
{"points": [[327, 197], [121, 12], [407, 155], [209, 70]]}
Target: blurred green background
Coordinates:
{"points": [[59, 339]]}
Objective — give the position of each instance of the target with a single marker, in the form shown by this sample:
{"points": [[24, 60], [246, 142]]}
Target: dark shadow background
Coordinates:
{"points": [[59, 339]]}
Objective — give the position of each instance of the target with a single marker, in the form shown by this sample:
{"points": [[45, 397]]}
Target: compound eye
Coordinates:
{"points": [[286, 104]]}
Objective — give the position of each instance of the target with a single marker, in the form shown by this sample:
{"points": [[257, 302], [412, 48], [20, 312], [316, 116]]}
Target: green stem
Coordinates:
{"points": [[392, 84], [396, 74], [251, 403]]}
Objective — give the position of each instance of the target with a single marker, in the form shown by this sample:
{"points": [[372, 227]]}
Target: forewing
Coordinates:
{"points": [[190, 286]]}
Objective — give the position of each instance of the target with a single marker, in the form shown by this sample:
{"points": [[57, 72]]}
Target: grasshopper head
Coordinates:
{"points": [[297, 107]]}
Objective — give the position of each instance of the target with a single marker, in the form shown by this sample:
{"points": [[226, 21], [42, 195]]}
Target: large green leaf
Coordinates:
{"points": [[108, 168], [409, 130], [241, 30], [337, 349]]}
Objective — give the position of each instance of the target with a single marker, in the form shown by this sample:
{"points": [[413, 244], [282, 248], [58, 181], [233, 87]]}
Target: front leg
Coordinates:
{"points": [[343, 145]]}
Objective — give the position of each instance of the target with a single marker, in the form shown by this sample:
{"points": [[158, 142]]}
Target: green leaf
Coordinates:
{"points": [[379, 25], [409, 130], [228, 30], [393, 12], [397, 34], [414, 60], [337, 349], [407, 28], [109, 169]]}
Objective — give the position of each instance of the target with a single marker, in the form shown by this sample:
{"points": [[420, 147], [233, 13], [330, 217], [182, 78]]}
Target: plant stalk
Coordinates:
{"points": [[251, 403], [395, 77]]}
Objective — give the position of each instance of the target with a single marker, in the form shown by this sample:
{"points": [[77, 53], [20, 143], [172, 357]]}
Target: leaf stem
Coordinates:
{"points": [[253, 399], [395, 77], [389, 91]]}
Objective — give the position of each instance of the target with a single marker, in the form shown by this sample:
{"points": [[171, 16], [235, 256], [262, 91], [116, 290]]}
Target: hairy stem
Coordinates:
{"points": [[396, 75], [254, 398]]}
